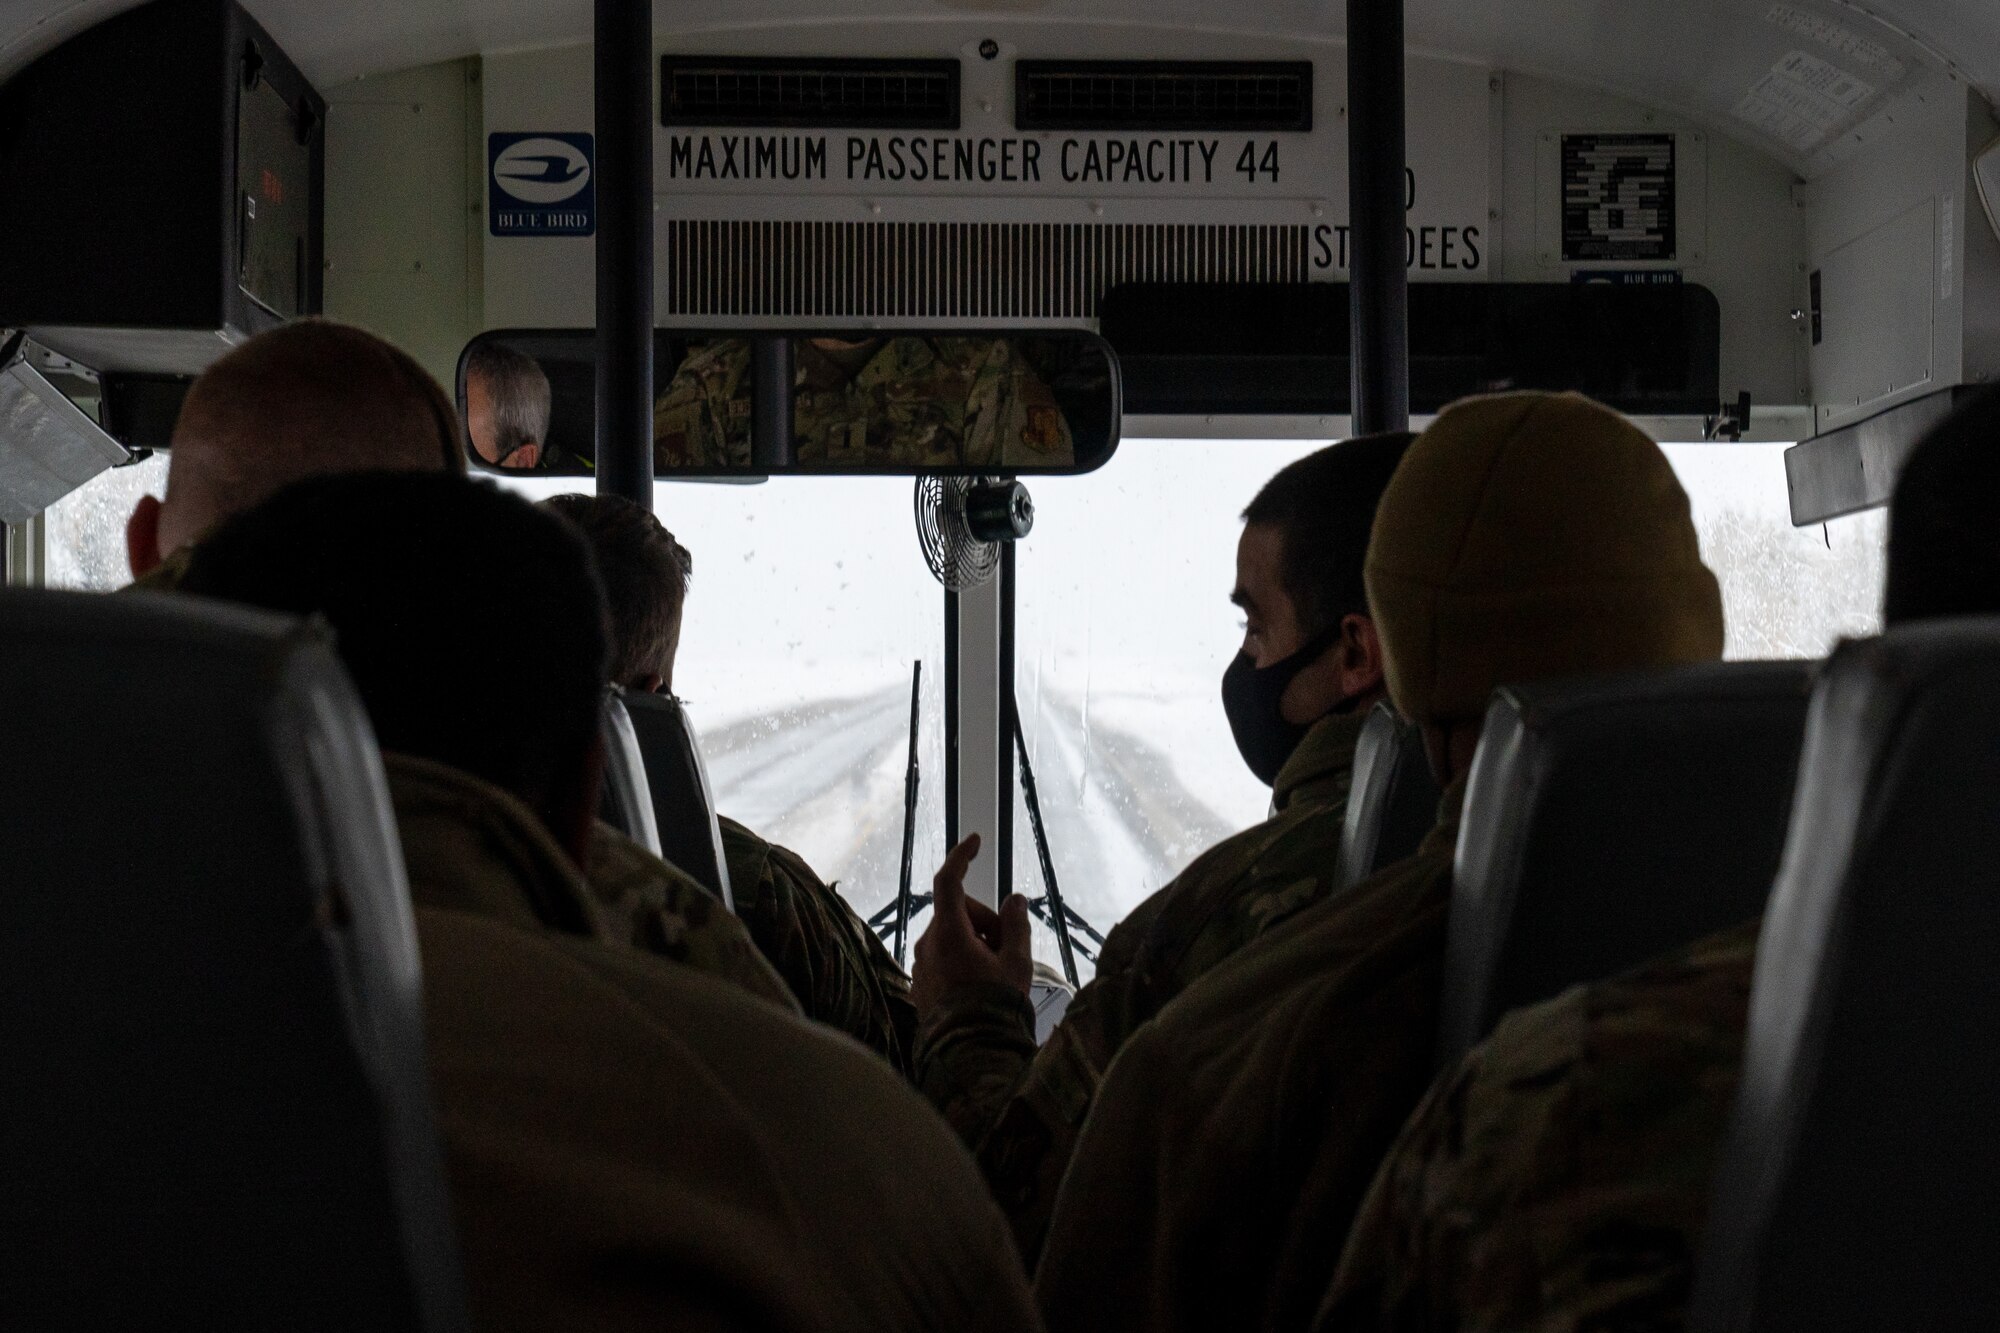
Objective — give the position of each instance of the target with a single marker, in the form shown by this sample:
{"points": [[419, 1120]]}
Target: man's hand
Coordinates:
{"points": [[968, 942]]}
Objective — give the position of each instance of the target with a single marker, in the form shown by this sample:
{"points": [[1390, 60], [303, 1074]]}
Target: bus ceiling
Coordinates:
{"points": [[1808, 172]]}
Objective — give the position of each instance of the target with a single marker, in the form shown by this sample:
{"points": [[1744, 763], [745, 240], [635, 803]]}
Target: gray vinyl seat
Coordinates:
{"points": [[1393, 801], [683, 804], [627, 802], [217, 1107], [1856, 1188], [1611, 819]]}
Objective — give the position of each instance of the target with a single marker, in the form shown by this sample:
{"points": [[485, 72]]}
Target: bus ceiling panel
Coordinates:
{"points": [[1798, 76], [989, 226]]}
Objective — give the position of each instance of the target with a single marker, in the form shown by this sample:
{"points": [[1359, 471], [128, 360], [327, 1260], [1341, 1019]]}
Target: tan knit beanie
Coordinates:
{"points": [[1529, 535]]}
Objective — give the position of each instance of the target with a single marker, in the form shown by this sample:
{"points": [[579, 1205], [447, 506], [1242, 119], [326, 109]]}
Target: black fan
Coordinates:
{"points": [[961, 522]]}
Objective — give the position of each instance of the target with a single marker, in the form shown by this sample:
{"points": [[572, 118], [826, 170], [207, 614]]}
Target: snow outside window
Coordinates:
{"points": [[86, 528]]}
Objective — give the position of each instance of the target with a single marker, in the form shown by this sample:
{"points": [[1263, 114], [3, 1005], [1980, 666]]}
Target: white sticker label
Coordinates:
{"points": [[1828, 82], [1868, 54], [1803, 100]]}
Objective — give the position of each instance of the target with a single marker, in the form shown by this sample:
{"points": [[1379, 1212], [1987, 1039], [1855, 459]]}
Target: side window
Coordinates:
{"points": [[1786, 591], [86, 528]]}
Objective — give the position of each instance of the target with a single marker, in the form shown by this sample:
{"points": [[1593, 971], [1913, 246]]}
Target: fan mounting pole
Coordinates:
{"points": [[980, 734]]}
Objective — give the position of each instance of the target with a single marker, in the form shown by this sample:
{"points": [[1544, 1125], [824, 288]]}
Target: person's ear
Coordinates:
{"points": [[526, 458], [1347, 674], [1360, 657], [142, 537], [647, 684]]}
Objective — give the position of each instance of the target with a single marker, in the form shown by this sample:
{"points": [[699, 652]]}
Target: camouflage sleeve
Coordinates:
{"points": [[834, 964], [1018, 1108], [1384, 1281], [1558, 1179], [1011, 415], [656, 908], [702, 418]]}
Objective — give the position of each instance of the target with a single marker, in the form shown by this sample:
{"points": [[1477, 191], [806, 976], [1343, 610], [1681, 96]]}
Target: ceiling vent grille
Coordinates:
{"points": [[819, 94], [943, 270], [1220, 96]]}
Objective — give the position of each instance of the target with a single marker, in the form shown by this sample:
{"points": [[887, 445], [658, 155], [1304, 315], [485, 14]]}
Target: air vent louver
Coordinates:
{"points": [[819, 94], [953, 270], [1163, 95]]}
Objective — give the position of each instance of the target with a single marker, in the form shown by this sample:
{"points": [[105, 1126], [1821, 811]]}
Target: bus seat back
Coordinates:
{"points": [[1393, 801], [1611, 819], [683, 804], [1856, 1181], [627, 801], [217, 1108]]}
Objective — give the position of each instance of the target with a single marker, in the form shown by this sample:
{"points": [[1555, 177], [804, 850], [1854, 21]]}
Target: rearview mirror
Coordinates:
{"points": [[859, 402]]}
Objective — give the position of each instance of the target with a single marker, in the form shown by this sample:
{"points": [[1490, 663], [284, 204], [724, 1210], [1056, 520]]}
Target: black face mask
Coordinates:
{"points": [[1253, 698]]}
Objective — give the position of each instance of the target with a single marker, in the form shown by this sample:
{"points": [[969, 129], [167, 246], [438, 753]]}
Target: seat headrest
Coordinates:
{"points": [[1393, 801], [628, 799], [219, 1108], [1608, 820], [1856, 1182], [683, 804]]}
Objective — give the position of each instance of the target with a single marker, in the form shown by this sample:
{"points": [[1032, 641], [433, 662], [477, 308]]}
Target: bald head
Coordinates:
{"points": [[305, 400]]}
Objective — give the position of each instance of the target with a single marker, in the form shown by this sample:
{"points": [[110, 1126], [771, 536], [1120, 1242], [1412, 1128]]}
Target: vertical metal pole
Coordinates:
{"points": [[981, 735], [951, 833], [773, 381], [1003, 829], [1378, 269], [26, 553], [624, 66]]}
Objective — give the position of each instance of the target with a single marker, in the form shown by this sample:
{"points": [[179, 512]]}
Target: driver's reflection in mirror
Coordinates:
{"points": [[877, 402], [507, 405]]}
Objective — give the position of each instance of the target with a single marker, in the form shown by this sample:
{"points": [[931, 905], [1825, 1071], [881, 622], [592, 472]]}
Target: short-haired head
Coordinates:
{"points": [[1323, 508], [645, 574], [310, 398], [1532, 535], [1943, 560], [507, 402], [471, 622]]}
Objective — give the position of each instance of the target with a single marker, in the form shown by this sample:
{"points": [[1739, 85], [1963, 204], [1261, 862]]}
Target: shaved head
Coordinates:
{"points": [[304, 400]]}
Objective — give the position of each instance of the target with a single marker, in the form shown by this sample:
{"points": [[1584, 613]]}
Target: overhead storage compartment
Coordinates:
{"points": [[164, 196], [1273, 349]]}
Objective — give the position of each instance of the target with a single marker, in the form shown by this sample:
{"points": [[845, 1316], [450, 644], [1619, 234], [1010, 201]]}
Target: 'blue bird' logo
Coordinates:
{"points": [[541, 171]]}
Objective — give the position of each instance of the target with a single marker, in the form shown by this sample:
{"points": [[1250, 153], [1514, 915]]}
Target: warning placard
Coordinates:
{"points": [[1617, 197]]}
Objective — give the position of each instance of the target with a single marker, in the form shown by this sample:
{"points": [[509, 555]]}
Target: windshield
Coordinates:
{"points": [[810, 602]]}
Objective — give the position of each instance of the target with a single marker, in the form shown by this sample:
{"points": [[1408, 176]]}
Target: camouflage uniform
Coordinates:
{"points": [[1021, 1109], [1559, 1177], [916, 402], [645, 902], [834, 964], [1237, 1132], [459, 832], [632, 1145]]}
